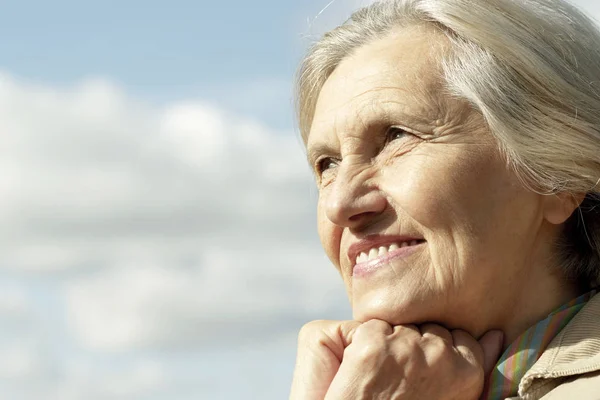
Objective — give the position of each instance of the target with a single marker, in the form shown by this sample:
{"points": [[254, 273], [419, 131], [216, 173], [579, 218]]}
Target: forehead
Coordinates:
{"points": [[399, 74]]}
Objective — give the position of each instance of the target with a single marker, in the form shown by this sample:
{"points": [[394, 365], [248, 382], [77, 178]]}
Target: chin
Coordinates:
{"points": [[395, 310]]}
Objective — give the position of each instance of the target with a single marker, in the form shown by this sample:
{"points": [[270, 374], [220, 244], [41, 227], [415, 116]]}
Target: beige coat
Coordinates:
{"points": [[569, 369]]}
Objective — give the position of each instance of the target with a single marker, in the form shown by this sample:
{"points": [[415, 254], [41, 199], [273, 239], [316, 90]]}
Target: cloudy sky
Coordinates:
{"points": [[157, 238]]}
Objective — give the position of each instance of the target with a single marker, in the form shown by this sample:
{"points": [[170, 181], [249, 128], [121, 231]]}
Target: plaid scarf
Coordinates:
{"points": [[527, 349]]}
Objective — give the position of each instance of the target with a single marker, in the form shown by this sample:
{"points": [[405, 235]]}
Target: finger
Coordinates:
{"points": [[407, 329], [491, 343], [343, 334], [321, 347], [468, 347], [372, 329], [365, 348], [335, 335], [437, 331], [346, 331]]}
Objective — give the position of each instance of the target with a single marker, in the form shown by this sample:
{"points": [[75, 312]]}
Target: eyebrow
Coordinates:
{"points": [[316, 150], [389, 112]]}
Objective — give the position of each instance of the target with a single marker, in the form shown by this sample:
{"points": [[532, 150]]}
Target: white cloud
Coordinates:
{"points": [[196, 133], [166, 227], [267, 290], [26, 367], [20, 348], [21, 360], [130, 380], [14, 303]]}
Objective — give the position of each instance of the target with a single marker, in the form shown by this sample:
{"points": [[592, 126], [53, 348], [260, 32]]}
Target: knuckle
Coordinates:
{"points": [[433, 341], [373, 329], [407, 332], [413, 348], [309, 329], [440, 350], [375, 324], [438, 341], [435, 351], [366, 351], [407, 349]]}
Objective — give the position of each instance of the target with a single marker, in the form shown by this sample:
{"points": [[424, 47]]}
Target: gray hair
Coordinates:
{"points": [[530, 67]]}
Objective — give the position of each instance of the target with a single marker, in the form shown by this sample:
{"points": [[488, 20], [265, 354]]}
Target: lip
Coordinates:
{"points": [[377, 241], [364, 269]]}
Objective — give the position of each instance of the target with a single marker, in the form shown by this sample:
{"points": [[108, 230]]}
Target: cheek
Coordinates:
{"points": [[329, 234], [420, 190], [465, 205], [470, 206], [448, 188]]}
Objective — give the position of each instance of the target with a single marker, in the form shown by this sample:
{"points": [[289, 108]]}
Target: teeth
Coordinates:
{"points": [[373, 254], [363, 257], [379, 252]]}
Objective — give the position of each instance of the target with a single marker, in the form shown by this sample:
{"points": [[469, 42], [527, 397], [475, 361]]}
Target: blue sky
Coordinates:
{"points": [[150, 43], [157, 217], [161, 50]]}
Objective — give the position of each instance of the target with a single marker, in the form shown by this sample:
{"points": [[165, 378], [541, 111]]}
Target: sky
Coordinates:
{"points": [[157, 232]]}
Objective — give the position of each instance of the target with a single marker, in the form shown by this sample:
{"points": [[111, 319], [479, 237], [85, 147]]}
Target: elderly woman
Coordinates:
{"points": [[456, 149]]}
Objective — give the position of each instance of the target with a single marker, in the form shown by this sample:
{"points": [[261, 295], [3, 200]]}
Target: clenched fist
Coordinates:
{"points": [[374, 360]]}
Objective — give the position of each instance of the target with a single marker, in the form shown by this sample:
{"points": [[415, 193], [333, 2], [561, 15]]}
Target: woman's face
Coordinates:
{"points": [[417, 209]]}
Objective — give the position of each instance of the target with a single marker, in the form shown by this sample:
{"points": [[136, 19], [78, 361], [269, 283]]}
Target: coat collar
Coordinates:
{"points": [[574, 351]]}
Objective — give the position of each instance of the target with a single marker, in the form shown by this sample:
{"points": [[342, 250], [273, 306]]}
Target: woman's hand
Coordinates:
{"points": [[348, 360], [321, 346]]}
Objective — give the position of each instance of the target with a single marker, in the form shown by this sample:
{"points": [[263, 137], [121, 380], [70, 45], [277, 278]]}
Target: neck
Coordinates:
{"points": [[536, 304], [540, 289]]}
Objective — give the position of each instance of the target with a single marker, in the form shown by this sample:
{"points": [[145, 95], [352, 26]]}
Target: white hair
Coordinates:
{"points": [[530, 67]]}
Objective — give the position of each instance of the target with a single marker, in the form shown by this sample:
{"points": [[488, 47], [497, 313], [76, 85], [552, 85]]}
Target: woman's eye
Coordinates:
{"points": [[395, 133], [326, 164]]}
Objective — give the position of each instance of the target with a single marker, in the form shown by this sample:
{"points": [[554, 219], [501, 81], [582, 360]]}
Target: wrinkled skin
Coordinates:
{"points": [[395, 154]]}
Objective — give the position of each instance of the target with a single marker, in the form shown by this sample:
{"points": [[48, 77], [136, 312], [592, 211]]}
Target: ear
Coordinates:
{"points": [[558, 207]]}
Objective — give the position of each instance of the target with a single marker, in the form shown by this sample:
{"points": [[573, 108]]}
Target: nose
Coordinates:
{"points": [[354, 200]]}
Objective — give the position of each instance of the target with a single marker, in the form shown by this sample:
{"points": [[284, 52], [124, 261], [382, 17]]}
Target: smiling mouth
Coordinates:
{"points": [[379, 255], [381, 251]]}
